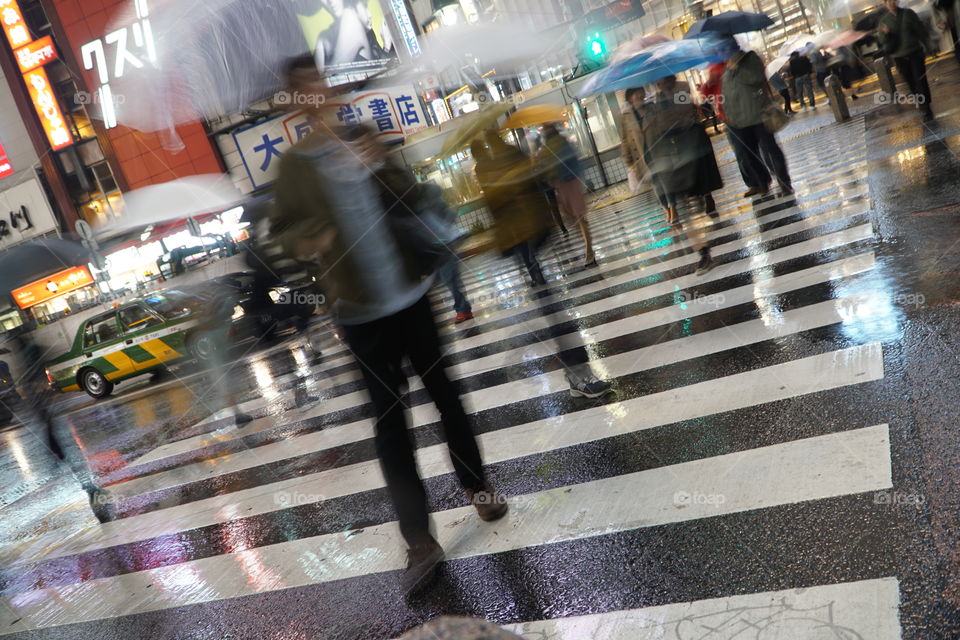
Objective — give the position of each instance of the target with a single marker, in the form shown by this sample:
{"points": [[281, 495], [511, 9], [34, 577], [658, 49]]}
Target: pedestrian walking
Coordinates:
{"points": [[521, 228], [746, 96], [906, 40], [338, 202], [945, 14], [801, 69], [819, 62], [631, 139], [780, 86], [564, 172], [680, 155]]}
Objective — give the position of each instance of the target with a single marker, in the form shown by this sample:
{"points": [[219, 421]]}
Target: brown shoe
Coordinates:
{"points": [[490, 504], [422, 561]]}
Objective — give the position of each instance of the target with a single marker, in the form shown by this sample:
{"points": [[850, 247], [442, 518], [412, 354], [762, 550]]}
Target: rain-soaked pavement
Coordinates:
{"points": [[779, 460]]}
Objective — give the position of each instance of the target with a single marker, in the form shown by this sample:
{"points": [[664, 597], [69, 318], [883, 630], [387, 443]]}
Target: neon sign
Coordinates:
{"points": [[94, 57]]}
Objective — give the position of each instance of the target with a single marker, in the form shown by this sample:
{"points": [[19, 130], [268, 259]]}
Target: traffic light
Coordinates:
{"points": [[596, 47]]}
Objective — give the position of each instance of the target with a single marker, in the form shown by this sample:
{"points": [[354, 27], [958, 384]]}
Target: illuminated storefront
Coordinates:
{"points": [[58, 294]]}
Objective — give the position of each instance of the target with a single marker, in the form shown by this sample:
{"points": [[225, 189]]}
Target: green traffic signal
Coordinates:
{"points": [[596, 47]]}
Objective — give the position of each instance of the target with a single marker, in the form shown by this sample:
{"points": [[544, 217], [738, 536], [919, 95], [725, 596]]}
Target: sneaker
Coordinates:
{"points": [[490, 505], [706, 263], [587, 387], [422, 561], [463, 317]]}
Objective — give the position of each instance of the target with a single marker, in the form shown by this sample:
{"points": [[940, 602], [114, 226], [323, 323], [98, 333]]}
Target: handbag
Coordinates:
{"points": [[774, 118]]}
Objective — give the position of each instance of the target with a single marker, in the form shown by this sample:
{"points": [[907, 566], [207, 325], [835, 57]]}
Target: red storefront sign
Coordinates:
{"points": [[13, 24], [31, 61], [49, 288], [38, 84], [6, 168], [36, 54]]}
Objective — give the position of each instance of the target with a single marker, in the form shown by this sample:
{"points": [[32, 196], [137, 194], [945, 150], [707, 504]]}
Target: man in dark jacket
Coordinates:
{"points": [[801, 69], [332, 210], [906, 39]]}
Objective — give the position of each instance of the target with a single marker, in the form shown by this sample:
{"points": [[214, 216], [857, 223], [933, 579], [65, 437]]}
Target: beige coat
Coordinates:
{"points": [[631, 142]]}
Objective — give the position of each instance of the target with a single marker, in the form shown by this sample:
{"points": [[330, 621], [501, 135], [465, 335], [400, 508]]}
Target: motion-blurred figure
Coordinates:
{"points": [[632, 150], [522, 227], [333, 211], [802, 71], [680, 156], [906, 40], [565, 173], [745, 95]]}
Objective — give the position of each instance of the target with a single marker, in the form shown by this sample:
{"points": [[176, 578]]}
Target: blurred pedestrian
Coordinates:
{"points": [[746, 95], [559, 160], [801, 69], [780, 86], [631, 139], [680, 155], [945, 15], [906, 40], [340, 204], [819, 62], [521, 228]]}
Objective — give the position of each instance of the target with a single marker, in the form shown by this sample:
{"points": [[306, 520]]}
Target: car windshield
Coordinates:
{"points": [[174, 304]]}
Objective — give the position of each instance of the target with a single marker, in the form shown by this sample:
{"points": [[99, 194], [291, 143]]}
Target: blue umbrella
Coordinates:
{"points": [[658, 61], [729, 23]]}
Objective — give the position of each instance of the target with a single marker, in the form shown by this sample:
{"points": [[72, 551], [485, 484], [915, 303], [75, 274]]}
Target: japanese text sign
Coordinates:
{"points": [[49, 288], [6, 168], [38, 84], [13, 24], [36, 54]]}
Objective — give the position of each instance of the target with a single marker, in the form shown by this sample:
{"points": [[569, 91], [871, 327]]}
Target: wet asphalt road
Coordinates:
{"points": [[886, 170]]}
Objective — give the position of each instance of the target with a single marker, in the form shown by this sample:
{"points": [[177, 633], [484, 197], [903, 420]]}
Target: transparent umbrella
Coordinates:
{"points": [[176, 200]]}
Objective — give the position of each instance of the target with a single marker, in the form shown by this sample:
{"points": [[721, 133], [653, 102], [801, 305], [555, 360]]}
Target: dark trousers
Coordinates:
{"points": [[449, 274], [759, 155], [785, 94], [380, 347], [913, 69]]}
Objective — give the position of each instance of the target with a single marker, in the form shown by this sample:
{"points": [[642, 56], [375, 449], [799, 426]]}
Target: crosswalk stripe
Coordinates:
{"points": [[844, 463]]}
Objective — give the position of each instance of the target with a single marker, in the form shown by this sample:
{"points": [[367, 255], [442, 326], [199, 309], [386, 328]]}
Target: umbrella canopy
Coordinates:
{"points": [[536, 115], [176, 200], [27, 262], [658, 61], [846, 38], [776, 64], [730, 23], [636, 45], [473, 127], [870, 21], [795, 43]]}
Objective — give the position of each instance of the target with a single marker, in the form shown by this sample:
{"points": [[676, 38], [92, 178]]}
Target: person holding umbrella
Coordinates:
{"points": [[746, 95], [680, 155], [801, 69], [905, 39]]}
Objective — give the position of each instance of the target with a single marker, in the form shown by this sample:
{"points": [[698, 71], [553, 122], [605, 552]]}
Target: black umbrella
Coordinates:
{"points": [[33, 260], [730, 23], [870, 21]]}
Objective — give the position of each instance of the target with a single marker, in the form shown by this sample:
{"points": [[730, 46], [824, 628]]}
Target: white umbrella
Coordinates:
{"points": [[176, 200], [795, 43], [776, 64]]}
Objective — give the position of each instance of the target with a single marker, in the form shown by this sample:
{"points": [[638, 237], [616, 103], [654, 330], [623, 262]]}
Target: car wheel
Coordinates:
{"points": [[202, 346], [93, 382]]}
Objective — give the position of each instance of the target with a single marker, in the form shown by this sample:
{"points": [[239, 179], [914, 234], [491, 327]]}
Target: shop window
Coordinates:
{"points": [[100, 330], [137, 318]]}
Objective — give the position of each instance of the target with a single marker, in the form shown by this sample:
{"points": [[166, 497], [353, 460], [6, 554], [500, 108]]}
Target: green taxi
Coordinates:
{"points": [[137, 337]]}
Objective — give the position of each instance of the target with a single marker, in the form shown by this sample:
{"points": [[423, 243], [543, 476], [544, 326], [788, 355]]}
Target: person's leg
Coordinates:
{"points": [[808, 83], [449, 274], [905, 67], [798, 89], [378, 348], [423, 349], [785, 94], [918, 65], [753, 157], [529, 259], [771, 151], [747, 169]]}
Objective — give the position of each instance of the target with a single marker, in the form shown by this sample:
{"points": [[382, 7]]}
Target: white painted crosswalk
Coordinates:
{"points": [[729, 429]]}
